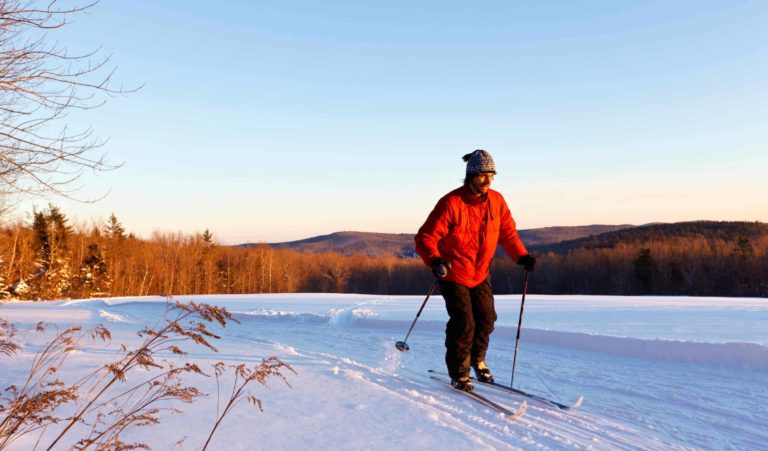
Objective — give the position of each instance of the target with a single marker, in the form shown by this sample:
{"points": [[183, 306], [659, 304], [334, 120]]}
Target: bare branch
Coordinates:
{"points": [[40, 84]]}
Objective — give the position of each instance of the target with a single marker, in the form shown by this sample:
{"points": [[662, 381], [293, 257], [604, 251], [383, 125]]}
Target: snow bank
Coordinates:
{"points": [[395, 314], [339, 317], [742, 355], [735, 354]]}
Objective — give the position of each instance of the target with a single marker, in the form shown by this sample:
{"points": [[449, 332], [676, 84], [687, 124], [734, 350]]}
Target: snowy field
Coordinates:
{"points": [[655, 372]]}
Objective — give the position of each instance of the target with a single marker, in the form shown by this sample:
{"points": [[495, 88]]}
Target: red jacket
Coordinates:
{"points": [[465, 230]]}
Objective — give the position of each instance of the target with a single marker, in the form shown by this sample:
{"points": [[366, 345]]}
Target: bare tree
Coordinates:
{"points": [[40, 84]]}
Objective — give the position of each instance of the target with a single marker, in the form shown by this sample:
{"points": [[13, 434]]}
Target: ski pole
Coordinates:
{"points": [[402, 346], [519, 326]]}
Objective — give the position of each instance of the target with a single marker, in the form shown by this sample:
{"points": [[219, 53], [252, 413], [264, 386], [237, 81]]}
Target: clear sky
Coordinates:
{"points": [[280, 120]]}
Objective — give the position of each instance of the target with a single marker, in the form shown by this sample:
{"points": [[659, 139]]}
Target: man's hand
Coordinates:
{"points": [[527, 261], [440, 267]]}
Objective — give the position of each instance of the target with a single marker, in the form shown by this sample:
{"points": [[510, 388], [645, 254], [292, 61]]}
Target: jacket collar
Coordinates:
{"points": [[468, 197]]}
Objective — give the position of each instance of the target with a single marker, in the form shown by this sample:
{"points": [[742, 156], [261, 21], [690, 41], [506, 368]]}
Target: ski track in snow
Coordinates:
{"points": [[558, 429], [350, 373]]}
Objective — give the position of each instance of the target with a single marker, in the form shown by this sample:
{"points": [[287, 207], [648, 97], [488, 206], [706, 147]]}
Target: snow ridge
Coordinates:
{"points": [[734, 354]]}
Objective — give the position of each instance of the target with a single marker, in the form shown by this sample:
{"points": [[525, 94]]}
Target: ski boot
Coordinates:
{"points": [[463, 383], [482, 373]]}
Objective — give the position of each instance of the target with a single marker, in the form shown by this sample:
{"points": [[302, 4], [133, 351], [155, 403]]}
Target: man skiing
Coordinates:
{"points": [[458, 241]]}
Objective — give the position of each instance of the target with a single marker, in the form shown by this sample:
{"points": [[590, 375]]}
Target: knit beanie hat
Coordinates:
{"points": [[479, 161]]}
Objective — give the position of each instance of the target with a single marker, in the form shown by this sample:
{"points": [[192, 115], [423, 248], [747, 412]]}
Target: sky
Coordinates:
{"points": [[273, 121]]}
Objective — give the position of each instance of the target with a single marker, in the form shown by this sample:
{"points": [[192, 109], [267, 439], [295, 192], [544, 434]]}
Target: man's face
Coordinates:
{"points": [[481, 183]]}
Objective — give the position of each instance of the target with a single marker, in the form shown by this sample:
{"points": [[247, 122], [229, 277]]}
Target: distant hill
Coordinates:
{"points": [[545, 236], [401, 244], [724, 230], [350, 243]]}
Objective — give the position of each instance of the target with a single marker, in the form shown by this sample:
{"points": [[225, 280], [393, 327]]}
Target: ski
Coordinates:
{"points": [[508, 414], [515, 391], [560, 406]]}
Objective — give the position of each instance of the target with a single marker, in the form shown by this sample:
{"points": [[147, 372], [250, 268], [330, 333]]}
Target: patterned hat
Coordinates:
{"points": [[479, 161]]}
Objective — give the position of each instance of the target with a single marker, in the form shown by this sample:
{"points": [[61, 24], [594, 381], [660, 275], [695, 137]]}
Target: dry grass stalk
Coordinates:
{"points": [[183, 323], [243, 376], [95, 401], [33, 406], [8, 346]]}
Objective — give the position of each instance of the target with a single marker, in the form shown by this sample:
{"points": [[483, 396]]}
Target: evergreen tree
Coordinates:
{"points": [[52, 277], [205, 266], [94, 278], [51, 231], [207, 237], [114, 228]]}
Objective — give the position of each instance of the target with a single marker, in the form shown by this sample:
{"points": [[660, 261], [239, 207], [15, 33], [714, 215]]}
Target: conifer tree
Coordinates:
{"points": [[94, 278], [205, 266], [114, 229], [52, 277], [207, 237]]}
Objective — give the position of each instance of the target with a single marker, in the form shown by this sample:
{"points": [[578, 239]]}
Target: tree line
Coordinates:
{"points": [[694, 266], [48, 258]]}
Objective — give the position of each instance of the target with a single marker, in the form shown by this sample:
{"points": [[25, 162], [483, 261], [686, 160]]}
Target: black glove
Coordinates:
{"points": [[440, 267], [527, 261]]}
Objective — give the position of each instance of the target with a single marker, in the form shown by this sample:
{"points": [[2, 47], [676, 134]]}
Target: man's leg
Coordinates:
{"points": [[459, 331], [484, 314]]}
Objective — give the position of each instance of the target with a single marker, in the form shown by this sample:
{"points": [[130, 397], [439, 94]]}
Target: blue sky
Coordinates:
{"points": [[272, 121]]}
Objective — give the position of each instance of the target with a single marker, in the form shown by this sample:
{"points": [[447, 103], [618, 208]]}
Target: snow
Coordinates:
{"points": [[656, 372]]}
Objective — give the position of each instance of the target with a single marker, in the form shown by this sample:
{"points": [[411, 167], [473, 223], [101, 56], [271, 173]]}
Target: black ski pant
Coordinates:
{"points": [[471, 317]]}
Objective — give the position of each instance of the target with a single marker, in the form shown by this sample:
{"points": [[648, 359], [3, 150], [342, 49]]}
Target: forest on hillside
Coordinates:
{"points": [[51, 259]]}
